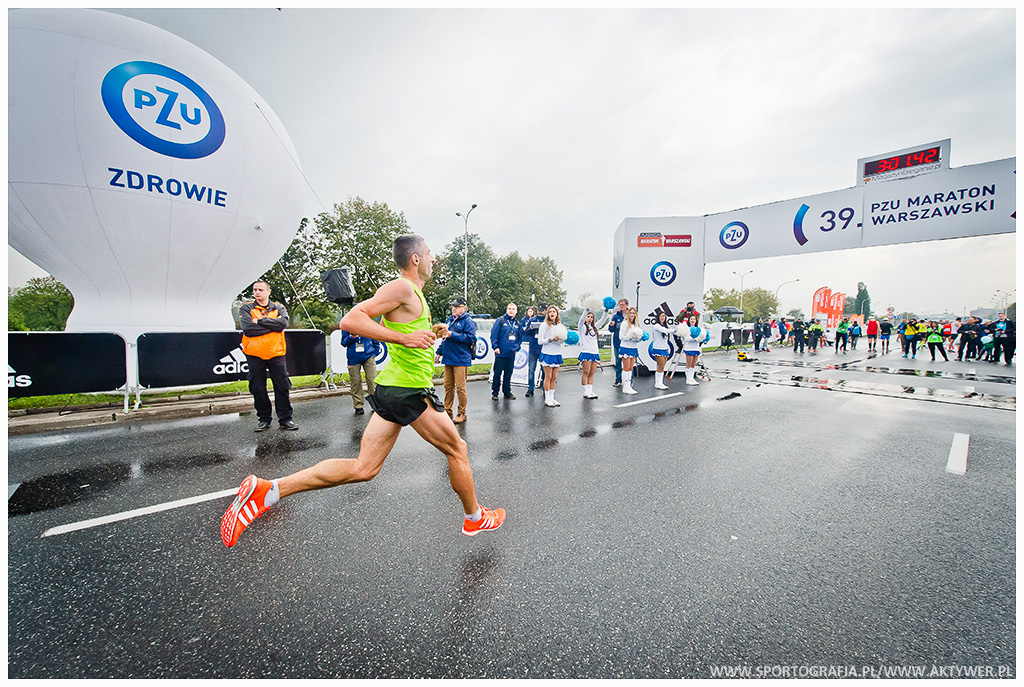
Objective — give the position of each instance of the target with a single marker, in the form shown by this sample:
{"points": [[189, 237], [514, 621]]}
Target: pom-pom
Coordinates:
{"points": [[694, 332], [558, 330], [682, 330], [593, 304], [572, 338], [635, 333], [645, 337], [609, 302]]}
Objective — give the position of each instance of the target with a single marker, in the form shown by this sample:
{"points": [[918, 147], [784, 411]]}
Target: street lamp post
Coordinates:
{"points": [[465, 273], [741, 291], [1004, 298], [777, 293]]}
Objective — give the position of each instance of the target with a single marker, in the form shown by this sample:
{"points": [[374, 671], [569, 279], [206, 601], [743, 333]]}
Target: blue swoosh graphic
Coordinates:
{"points": [[798, 224]]}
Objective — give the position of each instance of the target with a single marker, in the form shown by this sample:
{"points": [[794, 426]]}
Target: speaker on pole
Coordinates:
{"points": [[338, 286]]}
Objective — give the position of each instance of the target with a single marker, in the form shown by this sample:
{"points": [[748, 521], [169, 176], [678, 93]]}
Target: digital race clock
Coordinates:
{"points": [[904, 163]]}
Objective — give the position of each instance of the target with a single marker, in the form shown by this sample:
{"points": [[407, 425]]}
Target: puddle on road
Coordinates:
{"points": [[855, 366], [590, 432], [75, 486]]}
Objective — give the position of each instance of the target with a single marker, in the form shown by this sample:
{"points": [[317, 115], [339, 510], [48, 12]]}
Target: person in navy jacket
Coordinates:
{"points": [[531, 323], [505, 339], [360, 354], [456, 354]]}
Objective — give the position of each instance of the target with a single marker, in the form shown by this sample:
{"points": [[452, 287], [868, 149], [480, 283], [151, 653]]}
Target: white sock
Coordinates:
{"points": [[658, 376], [627, 377], [273, 496], [475, 517]]}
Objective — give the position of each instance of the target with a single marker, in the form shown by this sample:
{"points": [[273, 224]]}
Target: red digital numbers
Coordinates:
{"points": [[890, 164]]}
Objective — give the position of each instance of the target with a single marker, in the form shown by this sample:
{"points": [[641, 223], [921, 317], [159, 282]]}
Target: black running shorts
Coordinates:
{"points": [[402, 406]]}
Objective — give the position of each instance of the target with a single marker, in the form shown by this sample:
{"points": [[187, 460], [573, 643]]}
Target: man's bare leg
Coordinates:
{"points": [[378, 440], [439, 430]]}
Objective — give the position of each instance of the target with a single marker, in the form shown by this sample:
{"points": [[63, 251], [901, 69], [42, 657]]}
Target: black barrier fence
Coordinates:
{"points": [[189, 358], [50, 363], [735, 337]]}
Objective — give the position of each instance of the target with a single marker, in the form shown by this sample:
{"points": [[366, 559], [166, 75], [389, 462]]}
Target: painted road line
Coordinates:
{"points": [[648, 400], [11, 488], [957, 463], [127, 515]]}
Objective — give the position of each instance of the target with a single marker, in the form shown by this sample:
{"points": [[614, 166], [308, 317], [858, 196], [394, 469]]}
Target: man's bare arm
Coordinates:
{"points": [[393, 296]]}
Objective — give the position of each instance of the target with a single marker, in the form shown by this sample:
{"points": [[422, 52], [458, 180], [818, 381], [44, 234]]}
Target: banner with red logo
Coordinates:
{"points": [[819, 305], [837, 301]]}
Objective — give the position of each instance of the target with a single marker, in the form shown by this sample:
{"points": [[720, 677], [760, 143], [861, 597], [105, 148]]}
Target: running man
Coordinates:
{"points": [[404, 395]]}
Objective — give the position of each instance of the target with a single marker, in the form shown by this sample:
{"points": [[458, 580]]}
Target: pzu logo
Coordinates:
{"points": [[163, 110], [663, 273]]}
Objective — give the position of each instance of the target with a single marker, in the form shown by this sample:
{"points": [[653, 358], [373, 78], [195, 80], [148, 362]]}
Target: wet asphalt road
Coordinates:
{"points": [[748, 522]]}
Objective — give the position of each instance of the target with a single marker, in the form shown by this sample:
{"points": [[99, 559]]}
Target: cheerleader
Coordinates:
{"points": [[630, 334], [589, 356], [660, 348], [550, 336], [693, 337]]}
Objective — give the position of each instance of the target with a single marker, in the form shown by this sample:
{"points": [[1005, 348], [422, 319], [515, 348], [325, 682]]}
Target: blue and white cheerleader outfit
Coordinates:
{"points": [[588, 342], [627, 347], [660, 342], [550, 351]]}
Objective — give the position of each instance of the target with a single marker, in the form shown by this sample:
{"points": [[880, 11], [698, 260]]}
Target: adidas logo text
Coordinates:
{"points": [[233, 363], [14, 379]]}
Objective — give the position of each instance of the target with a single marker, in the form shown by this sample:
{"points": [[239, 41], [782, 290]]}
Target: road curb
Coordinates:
{"points": [[21, 422]]}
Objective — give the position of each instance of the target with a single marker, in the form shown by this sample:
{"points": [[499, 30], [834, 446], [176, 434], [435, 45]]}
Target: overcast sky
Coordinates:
{"points": [[560, 124]]}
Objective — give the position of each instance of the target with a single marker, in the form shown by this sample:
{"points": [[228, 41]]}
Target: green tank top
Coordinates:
{"points": [[410, 368]]}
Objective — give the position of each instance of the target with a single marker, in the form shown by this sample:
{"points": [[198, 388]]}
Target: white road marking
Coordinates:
{"points": [[127, 515], [648, 400], [11, 488], [957, 463]]}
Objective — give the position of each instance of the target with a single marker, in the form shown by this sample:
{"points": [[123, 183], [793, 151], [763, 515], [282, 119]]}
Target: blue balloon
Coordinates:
{"points": [[646, 336], [572, 338], [609, 302], [694, 332]]}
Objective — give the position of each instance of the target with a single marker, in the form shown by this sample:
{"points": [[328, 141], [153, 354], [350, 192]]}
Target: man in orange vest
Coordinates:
{"points": [[263, 323]]}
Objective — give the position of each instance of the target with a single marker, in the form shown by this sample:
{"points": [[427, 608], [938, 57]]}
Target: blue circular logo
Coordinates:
{"points": [[663, 273], [383, 355], [671, 349], [481, 349], [522, 358], [734, 235], [163, 110]]}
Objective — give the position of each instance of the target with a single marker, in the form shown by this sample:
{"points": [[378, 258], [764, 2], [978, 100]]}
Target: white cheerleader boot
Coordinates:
{"points": [[549, 398], [627, 383], [590, 391], [690, 373], [659, 380]]}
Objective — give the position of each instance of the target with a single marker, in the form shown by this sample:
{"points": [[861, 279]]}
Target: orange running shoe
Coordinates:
{"points": [[491, 520], [246, 507]]}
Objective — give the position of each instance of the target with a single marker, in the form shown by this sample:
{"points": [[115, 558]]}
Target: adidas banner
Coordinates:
{"points": [[169, 359], [50, 363]]}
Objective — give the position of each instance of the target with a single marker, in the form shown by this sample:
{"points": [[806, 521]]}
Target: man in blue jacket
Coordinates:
{"points": [[614, 325], [456, 353], [505, 339], [531, 323], [360, 354]]}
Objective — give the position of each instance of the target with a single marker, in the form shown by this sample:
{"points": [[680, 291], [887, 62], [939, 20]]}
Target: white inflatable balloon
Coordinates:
{"points": [[143, 174]]}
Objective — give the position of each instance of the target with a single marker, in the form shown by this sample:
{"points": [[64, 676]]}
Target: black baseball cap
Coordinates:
{"points": [[458, 300]]}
